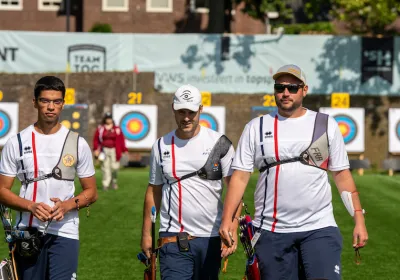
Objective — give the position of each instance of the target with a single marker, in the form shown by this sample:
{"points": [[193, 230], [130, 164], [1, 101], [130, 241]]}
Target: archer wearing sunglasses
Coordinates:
{"points": [[294, 148]]}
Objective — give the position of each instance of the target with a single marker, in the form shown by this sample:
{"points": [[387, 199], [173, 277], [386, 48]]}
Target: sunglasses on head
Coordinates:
{"points": [[292, 88]]}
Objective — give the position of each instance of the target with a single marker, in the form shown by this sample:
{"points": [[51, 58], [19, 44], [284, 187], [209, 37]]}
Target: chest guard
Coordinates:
{"points": [[66, 166], [212, 169], [317, 154]]}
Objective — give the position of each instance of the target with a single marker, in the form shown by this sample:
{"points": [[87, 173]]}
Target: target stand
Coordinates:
{"points": [[9, 120], [392, 162], [138, 123], [209, 121], [351, 123]]}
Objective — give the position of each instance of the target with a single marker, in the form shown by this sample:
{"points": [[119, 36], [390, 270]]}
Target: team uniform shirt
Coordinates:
{"points": [[193, 205], [291, 197], [41, 153]]}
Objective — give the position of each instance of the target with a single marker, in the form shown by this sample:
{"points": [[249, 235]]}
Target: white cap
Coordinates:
{"points": [[187, 97]]}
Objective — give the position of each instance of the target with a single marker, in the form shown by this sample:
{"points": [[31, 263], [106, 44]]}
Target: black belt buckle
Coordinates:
{"points": [[183, 242]]}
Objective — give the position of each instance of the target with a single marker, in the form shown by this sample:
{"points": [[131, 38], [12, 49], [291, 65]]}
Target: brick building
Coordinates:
{"points": [[125, 16]]}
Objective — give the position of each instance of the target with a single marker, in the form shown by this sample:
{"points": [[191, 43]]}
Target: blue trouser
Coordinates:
{"points": [[58, 260], [317, 251], [201, 262]]}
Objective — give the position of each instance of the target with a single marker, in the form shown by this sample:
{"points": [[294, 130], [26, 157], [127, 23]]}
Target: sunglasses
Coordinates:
{"points": [[292, 88]]}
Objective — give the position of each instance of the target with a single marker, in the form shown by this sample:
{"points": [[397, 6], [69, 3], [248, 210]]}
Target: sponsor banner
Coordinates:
{"points": [[138, 123], [213, 117], [351, 123], [8, 120], [377, 59], [44, 52], [213, 63]]}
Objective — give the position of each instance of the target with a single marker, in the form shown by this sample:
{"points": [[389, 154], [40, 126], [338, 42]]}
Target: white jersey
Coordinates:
{"points": [[41, 153], [292, 197], [193, 205]]}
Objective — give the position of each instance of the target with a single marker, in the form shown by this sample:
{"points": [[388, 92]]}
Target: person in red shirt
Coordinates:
{"points": [[108, 146]]}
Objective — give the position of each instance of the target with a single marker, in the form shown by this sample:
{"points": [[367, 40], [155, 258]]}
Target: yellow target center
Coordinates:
{"points": [[343, 129], [134, 126], [203, 123]]}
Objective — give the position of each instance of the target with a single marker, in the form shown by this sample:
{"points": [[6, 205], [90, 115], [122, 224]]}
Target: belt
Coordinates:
{"points": [[164, 240]]}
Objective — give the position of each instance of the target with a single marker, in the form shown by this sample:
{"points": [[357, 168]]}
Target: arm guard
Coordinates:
{"points": [[348, 202]]}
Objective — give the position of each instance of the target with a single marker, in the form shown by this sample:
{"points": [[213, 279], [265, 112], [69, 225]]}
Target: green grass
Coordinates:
{"points": [[110, 237]]}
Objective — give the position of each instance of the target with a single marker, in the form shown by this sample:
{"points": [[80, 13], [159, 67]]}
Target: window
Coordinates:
{"points": [[49, 5], [115, 5], [161, 6], [11, 5]]}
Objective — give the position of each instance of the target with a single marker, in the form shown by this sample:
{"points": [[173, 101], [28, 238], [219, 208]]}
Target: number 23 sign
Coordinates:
{"points": [[269, 100]]}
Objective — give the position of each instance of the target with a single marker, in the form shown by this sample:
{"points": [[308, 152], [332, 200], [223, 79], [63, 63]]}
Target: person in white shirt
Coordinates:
{"points": [[294, 222], [190, 206], [46, 157]]}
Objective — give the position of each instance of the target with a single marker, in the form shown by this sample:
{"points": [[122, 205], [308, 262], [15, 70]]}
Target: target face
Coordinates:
{"points": [[135, 126], [347, 126], [398, 130], [5, 123], [208, 120]]}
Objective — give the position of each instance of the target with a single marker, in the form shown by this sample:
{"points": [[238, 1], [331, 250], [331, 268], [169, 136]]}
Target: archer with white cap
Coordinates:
{"points": [[186, 171]]}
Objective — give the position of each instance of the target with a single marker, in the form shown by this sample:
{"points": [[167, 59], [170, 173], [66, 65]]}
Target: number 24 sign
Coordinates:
{"points": [[340, 100]]}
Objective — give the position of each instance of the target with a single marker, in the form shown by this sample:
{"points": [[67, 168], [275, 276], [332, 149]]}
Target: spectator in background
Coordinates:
{"points": [[108, 146]]}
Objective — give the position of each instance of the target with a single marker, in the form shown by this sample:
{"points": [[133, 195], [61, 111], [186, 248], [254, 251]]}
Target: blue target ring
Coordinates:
{"points": [[398, 130], [135, 126], [208, 120], [348, 127], [5, 123]]}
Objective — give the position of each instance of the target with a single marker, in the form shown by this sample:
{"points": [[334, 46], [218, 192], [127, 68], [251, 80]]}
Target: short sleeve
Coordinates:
{"points": [[338, 159], [155, 176], [85, 167], [9, 158], [226, 162], [245, 152]]}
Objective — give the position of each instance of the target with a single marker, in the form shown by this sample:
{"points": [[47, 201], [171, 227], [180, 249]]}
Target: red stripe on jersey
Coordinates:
{"points": [[276, 173], [35, 184], [324, 165], [179, 183]]}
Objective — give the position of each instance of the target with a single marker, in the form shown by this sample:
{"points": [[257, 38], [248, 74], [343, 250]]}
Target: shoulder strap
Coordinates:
{"points": [[212, 168], [66, 167], [262, 141], [21, 153], [317, 154], [160, 156]]}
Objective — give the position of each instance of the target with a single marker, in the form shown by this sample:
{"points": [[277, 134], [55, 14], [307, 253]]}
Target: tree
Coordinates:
{"points": [[258, 8], [217, 17], [318, 10], [366, 16], [360, 16]]}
